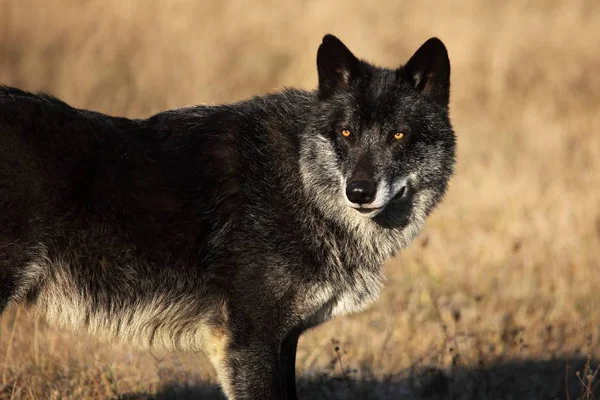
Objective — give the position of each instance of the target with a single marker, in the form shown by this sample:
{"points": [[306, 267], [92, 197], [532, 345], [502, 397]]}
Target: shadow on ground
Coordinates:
{"points": [[526, 379]]}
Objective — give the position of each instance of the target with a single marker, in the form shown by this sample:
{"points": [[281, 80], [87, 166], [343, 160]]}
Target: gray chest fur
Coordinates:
{"points": [[352, 272]]}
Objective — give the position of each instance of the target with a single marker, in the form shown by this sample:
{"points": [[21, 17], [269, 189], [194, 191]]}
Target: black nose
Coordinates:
{"points": [[361, 192]]}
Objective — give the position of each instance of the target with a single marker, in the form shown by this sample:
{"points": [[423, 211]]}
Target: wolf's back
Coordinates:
{"points": [[63, 173]]}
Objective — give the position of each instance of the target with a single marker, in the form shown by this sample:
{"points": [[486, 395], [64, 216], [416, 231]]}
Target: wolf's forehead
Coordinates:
{"points": [[381, 101], [381, 83]]}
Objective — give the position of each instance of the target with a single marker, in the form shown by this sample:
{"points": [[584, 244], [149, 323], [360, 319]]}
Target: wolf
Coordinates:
{"points": [[228, 229]]}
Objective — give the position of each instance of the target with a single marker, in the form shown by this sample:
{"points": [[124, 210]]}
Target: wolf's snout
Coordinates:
{"points": [[361, 192]]}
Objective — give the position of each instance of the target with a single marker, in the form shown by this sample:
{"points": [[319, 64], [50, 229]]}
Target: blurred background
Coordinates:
{"points": [[498, 298]]}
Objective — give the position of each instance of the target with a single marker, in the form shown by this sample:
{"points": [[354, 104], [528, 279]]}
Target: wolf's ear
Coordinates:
{"points": [[428, 70], [336, 65]]}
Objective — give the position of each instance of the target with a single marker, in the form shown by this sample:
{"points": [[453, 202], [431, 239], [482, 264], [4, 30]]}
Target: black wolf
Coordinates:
{"points": [[229, 229]]}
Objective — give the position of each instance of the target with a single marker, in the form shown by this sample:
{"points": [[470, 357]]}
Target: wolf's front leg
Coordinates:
{"points": [[287, 359], [252, 372]]}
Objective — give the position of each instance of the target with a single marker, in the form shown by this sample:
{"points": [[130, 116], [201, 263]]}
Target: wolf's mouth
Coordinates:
{"points": [[373, 211], [368, 210]]}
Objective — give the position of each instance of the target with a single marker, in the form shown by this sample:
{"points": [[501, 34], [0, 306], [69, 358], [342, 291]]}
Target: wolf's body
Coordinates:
{"points": [[224, 229]]}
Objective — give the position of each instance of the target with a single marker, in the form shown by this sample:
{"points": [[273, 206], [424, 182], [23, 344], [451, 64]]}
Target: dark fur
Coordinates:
{"points": [[205, 210]]}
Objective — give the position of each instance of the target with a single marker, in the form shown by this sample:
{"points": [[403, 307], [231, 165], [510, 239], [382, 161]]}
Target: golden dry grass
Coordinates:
{"points": [[498, 298]]}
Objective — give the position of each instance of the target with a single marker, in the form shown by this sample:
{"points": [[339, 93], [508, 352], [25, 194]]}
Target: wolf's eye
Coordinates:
{"points": [[345, 132], [398, 135]]}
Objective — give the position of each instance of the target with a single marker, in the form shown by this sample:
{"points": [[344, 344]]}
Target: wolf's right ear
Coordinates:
{"points": [[336, 65], [428, 70]]}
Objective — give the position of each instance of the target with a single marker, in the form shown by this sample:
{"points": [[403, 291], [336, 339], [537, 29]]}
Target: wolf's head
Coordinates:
{"points": [[379, 143]]}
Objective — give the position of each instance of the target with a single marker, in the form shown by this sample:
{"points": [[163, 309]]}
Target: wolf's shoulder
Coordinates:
{"points": [[284, 103], [250, 121]]}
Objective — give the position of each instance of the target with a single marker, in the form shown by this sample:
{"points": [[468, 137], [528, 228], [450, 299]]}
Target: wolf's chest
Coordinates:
{"points": [[351, 273]]}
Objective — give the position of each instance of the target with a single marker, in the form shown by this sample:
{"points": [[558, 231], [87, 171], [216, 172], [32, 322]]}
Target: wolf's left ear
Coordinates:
{"points": [[336, 65], [428, 70]]}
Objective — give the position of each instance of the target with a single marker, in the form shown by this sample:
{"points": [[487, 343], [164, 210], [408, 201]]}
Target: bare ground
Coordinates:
{"points": [[497, 299]]}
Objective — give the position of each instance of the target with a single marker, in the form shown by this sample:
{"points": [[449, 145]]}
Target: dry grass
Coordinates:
{"points": [[497, 299]]}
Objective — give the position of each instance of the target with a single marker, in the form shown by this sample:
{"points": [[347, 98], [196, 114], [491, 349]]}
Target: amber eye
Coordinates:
{"points": [[398, 135], [345, 132]]}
